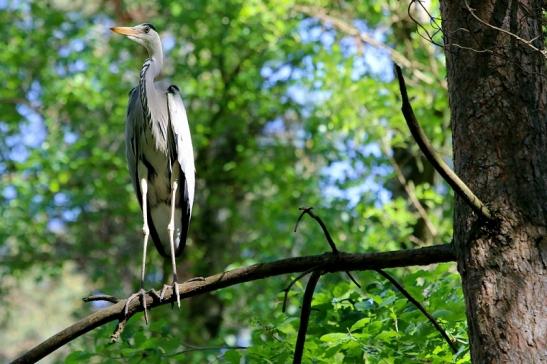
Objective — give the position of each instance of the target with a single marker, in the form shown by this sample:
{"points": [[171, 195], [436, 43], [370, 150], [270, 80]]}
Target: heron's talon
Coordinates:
{"points": [[174, 289], [142, 295], [154, 294]]}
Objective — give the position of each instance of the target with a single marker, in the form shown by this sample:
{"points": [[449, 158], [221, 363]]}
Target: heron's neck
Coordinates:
{"points": [[150, 70]]}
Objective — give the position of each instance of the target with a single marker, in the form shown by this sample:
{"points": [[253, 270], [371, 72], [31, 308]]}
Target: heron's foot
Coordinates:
{"points": [[195, 279], [141, 294], [175, 287]]}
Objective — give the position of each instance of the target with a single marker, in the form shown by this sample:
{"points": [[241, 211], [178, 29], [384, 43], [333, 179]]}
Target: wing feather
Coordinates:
{"points": [[182, 152]]}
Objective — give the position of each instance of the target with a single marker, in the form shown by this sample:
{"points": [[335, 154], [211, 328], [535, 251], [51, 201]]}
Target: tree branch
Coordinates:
{"points": [[440, 166], [328, 262]]}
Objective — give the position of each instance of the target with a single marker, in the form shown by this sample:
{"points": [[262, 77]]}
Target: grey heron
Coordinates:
{"points": [[159, 155]]}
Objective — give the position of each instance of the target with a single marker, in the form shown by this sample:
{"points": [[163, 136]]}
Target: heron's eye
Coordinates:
{"points": [[146, 29]]}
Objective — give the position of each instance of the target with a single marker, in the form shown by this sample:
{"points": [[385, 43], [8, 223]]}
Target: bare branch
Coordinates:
{"points": [[420, 307], [440, 166], [308, 210], [305, 317], [101, 297], [328, 263]]}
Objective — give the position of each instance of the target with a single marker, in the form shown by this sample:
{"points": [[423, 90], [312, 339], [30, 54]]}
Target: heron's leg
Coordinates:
{"points": [[146, 232], [171, 229], [145, 229]]}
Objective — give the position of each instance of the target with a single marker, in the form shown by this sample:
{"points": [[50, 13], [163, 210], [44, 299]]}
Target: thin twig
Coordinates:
{"points": [[305, 317], [440, 166], [101, 297], [328, 262], [308, 210], [420, 307], [348, 273]]}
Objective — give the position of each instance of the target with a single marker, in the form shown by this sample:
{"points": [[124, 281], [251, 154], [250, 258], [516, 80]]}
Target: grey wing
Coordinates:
{"points": [[134, 130], [133, 119], [181, 152]]}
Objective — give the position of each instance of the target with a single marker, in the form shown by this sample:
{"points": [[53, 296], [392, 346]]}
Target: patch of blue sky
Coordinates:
{"points": [[56, 225], [70, 137], [311, 30], [15, 5], [274, 127], [71, 215], [77, 66], [168, 42], [73, 46], [32, 130], [9, 192], [60, 199]]}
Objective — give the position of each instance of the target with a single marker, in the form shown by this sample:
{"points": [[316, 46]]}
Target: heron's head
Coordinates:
{"points": [[144, 34]]}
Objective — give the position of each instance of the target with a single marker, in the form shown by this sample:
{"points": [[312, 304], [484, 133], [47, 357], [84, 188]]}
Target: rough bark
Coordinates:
{"points": [[497, 99]]}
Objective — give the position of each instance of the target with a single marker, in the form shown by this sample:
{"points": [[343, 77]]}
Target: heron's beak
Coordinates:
{"points": [[125, 30]]}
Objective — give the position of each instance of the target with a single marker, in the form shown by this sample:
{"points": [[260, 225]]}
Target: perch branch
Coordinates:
{"points": [[328, 262], [440, 166], [305, 316]]}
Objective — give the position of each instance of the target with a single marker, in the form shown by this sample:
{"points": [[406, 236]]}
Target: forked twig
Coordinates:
{"points": [[308, 210], [436, 161], [305, 317]]}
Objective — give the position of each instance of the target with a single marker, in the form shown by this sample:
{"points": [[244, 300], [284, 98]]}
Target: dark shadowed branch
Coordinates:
{"points": [[440, 166], [420, 307], [305, 316], [328, 263]]}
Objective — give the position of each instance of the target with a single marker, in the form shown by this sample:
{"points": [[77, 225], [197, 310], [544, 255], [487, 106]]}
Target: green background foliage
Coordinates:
{"points": [[286, 110]]}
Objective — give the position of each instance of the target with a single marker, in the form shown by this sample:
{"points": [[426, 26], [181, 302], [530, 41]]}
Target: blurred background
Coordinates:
{"points": [[290, 103]]}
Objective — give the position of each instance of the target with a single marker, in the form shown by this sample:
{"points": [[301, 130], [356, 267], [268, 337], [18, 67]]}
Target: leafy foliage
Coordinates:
{"points": [[285, 111]]}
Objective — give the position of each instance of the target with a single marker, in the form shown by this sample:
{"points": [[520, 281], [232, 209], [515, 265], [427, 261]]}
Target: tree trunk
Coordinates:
{"points": [[497, 99]]}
